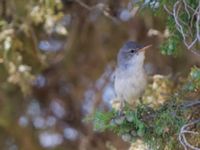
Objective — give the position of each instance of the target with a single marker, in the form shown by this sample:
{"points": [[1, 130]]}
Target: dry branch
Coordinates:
{"points": [[182, 137], [189, 30]]}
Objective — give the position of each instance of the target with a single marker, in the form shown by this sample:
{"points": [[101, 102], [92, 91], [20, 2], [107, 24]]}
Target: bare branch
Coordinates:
{"points": [[182, 137], [100, 7], [83, 5], [198, 23], [167, 10], [191, 104], [186, 8], [191, 38]]}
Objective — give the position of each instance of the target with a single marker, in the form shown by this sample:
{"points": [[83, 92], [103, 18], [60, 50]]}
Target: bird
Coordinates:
{"points": [[130, 79]]}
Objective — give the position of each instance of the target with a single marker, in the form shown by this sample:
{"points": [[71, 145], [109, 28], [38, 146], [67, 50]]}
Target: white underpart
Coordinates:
{"points": [[131, 82]]}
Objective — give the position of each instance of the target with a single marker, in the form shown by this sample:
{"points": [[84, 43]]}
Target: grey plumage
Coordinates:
{"points": [[130, 77]]}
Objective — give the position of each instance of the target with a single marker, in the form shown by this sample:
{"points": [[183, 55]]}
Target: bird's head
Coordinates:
{"points": [[131, 53]]}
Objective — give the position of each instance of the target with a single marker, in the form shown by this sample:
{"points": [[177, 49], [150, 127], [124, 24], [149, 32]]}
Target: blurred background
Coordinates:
{"points": [[56, 62]]}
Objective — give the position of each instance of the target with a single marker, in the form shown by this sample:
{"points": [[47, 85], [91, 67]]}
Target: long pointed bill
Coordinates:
{"points": [[145, 48]]}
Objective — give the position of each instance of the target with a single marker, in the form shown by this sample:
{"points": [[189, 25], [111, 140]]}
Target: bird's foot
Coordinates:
{"points": [[122, 105], [118, 105]]}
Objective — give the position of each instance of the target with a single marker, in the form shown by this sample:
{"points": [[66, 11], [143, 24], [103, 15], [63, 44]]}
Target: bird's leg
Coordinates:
{"points": [[122, 104], [140, 100]]}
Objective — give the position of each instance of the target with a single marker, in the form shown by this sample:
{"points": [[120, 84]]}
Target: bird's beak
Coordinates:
{"points": [[145, 48]]}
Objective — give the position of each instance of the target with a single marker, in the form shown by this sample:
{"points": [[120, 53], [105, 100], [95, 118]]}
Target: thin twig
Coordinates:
{"points": [[178, 25], [102, 9], [167, 10], [193, 16], [191, 104], [192, 132], [186, 8], [83, 5], [198, 23]]}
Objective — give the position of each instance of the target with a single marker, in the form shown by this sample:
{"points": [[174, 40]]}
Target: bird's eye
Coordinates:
{"points": [[132, 50]]}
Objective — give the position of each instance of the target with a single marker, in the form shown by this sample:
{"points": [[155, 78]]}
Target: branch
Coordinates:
{"points": [[191, 104], [198, 23], [100, 7], [186, 8], [182, 138], [195, 37], [83, 5], [4, 8], [167, 10]]}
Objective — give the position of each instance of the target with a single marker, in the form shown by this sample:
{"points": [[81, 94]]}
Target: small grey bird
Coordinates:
{"points": [[130, 78]]}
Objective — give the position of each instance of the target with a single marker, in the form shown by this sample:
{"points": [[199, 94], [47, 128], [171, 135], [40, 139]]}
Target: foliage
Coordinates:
{"points": [[193, 84], [182, 23], [24, 24], [158, 127], [18, 63]]}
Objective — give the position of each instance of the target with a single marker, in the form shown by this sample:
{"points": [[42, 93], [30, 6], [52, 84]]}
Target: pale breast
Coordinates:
{"points": [[130, 85]]}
